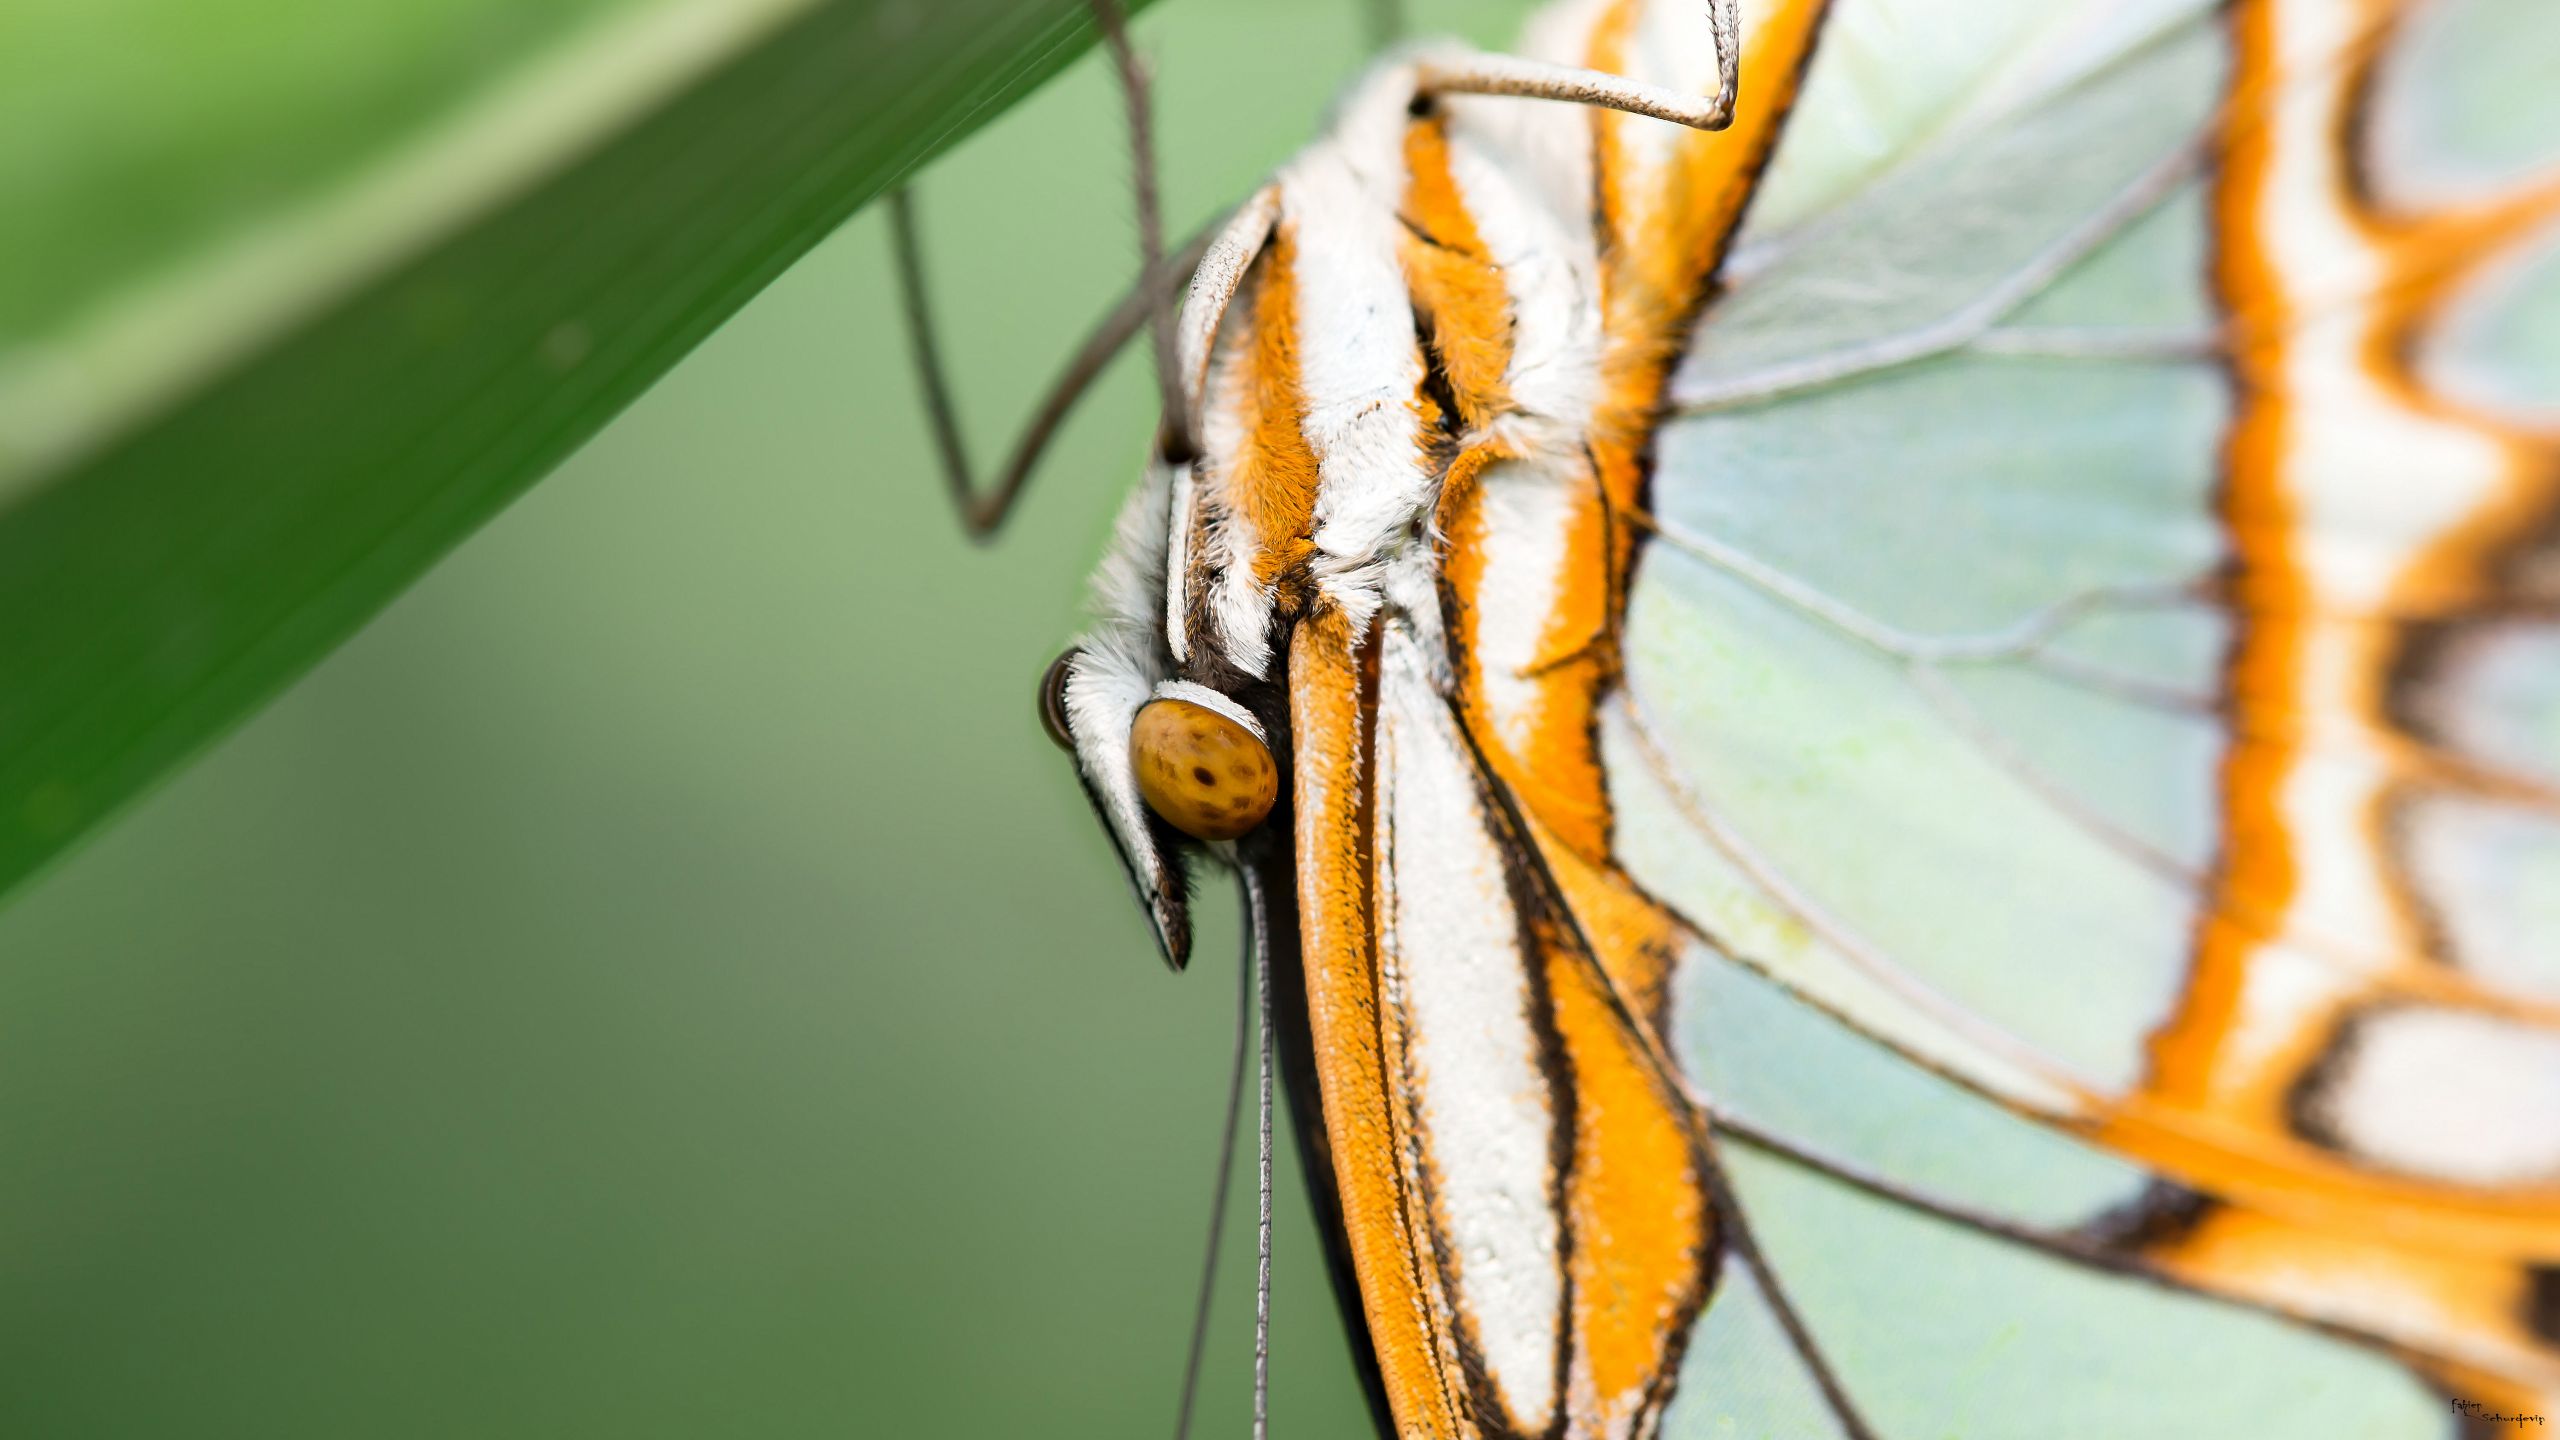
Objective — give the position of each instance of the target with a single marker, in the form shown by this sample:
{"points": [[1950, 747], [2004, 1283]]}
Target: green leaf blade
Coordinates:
{"points": [[181, 537]]}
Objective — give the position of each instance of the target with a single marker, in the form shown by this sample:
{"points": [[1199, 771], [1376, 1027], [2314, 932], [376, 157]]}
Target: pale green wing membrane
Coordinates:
{"points": [[1943, 1332], [1857, 442], [2466, 101], [1742, 1376], [1939, 1329], [1926, 720]]}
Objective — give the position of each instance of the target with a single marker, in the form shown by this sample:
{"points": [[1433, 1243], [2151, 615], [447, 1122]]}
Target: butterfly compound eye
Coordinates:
{"points": [[1204, 773], [1053, 701]]}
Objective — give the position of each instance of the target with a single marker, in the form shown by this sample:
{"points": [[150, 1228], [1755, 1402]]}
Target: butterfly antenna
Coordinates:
{"points": [[1262, 1274], [1142, 166], [1482, 73], [1245, 989]]}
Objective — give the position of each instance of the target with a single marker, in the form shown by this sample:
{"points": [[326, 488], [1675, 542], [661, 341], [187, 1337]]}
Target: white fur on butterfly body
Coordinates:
{"points": [[1116, 669]]}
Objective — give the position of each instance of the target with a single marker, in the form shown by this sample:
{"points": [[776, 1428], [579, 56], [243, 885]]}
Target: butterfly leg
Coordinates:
{"points": [[1148, 305], [1480, 73], [983, 509], [1135, 96]]}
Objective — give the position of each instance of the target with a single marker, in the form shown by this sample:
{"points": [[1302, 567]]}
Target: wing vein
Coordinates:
{"points": [[1967, 323]]}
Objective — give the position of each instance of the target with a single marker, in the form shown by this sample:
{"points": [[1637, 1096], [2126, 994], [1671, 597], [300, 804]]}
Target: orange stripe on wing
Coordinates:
{"points": [[2251, 1024], [1457, 291], [2316, 1227], [1636, 1205], [1634, 1199], [1653, 280], [1270, 480], [1333, 709], [1633, 1204], [2295, 1180]]}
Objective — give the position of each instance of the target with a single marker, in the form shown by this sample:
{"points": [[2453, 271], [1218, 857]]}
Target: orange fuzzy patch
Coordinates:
{"points": [[1271, 480], [1556, 777], [2300, 1182], [1457, 290], [1333, 702]]}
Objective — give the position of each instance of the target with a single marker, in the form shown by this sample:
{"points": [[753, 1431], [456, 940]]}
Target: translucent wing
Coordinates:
{"points": [[1921, 200], [2095, 640]]}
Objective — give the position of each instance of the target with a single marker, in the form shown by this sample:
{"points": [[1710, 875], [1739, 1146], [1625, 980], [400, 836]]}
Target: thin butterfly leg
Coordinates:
{"points": [[1149, 304], [1485, 73], [984, 508]]}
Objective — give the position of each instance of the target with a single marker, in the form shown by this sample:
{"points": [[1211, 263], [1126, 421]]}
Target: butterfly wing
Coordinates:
{"points": [[1925, 568], [2036, 664]]}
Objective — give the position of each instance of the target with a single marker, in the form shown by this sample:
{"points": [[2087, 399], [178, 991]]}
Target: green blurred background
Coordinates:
{"points": [[658, 980]]}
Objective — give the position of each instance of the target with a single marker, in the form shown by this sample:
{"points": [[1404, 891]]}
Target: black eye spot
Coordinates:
{"points": [[1053, 701], [1201, 774]]}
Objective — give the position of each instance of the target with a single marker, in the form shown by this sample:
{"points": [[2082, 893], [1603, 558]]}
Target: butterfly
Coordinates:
{"points": [[1884, 680]]}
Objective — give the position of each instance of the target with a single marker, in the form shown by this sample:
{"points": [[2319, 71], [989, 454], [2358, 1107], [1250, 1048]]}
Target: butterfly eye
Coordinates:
{"points": [[1204, 773], [1053, 700]]}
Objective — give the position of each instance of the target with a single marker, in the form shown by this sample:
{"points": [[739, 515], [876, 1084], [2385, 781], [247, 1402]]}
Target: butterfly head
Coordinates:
{"points": [[1175, 746], [1175, 702]]}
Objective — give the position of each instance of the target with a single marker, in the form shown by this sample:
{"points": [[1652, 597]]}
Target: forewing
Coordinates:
{"points": [[1518, 1181]]}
